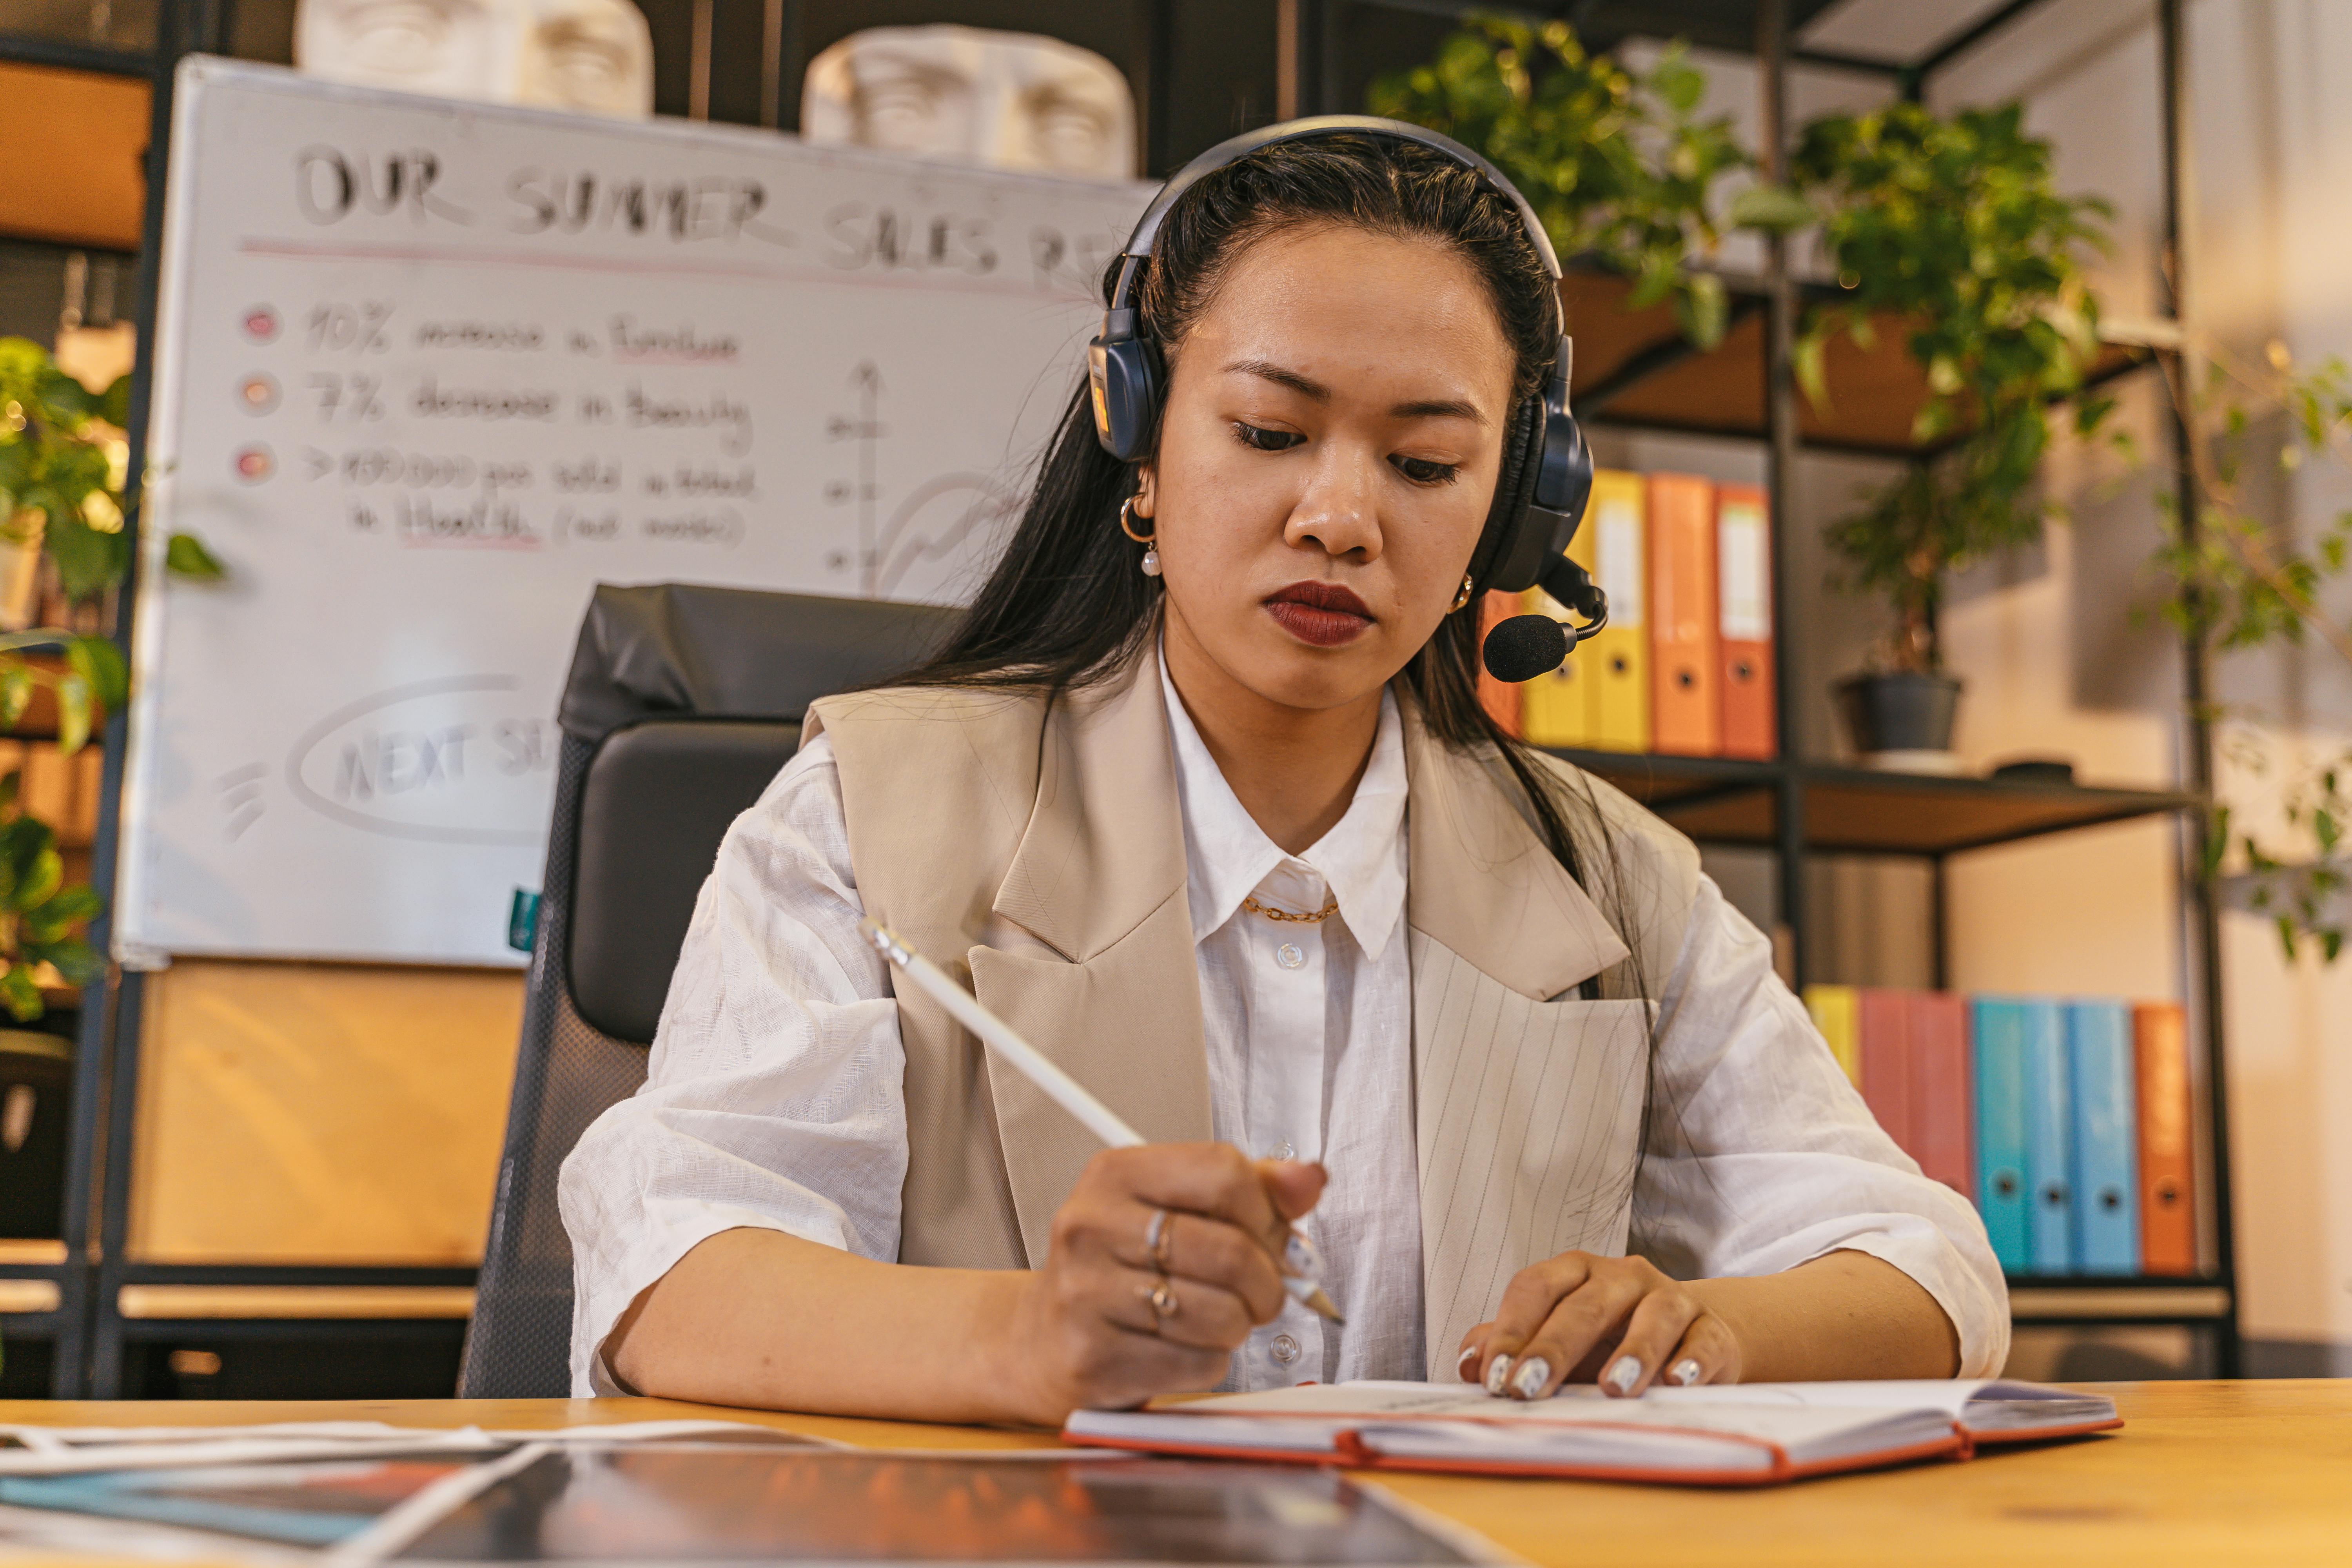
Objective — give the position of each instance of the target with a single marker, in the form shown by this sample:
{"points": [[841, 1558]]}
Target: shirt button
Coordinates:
{"points": [[1288, 956], [1286, 1349], [1282, 1151]]}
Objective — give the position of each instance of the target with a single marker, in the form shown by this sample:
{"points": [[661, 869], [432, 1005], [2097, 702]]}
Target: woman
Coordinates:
{"points": [[1202, 798]]}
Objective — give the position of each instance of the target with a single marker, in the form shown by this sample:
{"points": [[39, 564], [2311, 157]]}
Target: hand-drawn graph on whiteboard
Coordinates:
{"points": [[934, 522], [428, 372]]}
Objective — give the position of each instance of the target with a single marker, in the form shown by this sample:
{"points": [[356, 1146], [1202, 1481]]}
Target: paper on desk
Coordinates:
{"points": [[65, 1450]]}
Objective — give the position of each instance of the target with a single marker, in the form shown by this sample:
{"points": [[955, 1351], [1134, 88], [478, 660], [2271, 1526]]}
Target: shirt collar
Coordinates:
{"points": [[1228, 856]]}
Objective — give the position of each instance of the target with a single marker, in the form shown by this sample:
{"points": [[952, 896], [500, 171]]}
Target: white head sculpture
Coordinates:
{"points": [[590, 57], [1007, 101]]}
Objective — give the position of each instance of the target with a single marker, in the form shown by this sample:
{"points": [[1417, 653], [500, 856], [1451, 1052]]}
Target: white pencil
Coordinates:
{"points": [[1034, 1064]]}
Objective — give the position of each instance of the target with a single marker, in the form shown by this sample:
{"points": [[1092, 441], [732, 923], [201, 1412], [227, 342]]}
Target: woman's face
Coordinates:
{"points": [[1332, 435]]}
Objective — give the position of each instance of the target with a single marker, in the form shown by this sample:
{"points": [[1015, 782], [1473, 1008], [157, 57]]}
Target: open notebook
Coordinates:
{"points": [[1741, 1435]]}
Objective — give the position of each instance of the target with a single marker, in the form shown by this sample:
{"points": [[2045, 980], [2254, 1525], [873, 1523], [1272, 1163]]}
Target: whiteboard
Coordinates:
{"points": [[428, 372]]}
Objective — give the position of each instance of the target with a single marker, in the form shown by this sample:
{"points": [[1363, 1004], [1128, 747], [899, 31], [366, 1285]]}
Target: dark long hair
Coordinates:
{"points": [[1066, 606]]}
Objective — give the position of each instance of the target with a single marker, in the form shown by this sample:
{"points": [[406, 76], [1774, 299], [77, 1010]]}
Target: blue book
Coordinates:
{"points": [[1997, 1030], [2107, 1138], [2049, 1138]]}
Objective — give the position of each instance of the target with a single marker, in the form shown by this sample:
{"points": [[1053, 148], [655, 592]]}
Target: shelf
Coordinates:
{"points": [[1634, 368], [28, 1297], [2045, 1300], [1720, 800], [183, 1302], [33, 1252]]}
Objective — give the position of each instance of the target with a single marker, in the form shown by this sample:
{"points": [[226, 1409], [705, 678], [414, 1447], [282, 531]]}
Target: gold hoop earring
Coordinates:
{"points": [[1461, 598], [1150, 563], [1127, 522]]}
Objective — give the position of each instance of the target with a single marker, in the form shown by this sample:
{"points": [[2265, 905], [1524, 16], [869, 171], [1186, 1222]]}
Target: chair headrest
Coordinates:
{"points": [[671, 649]]}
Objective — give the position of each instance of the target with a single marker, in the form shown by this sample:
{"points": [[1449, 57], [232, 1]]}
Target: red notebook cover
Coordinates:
{"points": [[1685, 643], [1500, 698], [2167, 1209], [1743, 560], [1887, 1064], [1942, 1086]]}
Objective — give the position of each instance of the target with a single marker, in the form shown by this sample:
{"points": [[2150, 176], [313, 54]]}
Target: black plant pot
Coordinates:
{"points": [[1899, 711]]}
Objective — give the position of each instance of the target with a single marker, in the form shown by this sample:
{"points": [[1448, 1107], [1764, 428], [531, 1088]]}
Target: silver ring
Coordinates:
{"points": [[1159, 1238]]}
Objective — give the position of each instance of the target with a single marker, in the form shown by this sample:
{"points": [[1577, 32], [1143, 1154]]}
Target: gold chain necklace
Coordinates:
{"points": [[1330, 907]]}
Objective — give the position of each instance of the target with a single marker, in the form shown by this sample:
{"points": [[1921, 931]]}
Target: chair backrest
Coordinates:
{"points": [[681, 705]]}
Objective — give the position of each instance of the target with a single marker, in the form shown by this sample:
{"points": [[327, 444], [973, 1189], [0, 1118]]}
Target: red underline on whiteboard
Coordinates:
{"points": [[295, 252]]}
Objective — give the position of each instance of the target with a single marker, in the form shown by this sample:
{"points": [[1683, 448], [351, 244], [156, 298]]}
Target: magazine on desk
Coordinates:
{"points": [[362, 1494], [1738, 1435]]}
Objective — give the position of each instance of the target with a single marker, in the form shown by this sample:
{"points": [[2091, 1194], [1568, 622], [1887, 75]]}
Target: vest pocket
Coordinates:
{"points": [[1528, 1120]]}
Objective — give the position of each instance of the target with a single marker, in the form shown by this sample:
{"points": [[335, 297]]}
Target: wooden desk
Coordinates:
{"points": [[2204, 1474]]}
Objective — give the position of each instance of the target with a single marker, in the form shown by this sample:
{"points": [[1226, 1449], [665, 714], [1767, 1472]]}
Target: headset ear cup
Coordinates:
{"points": [[1123, 378], [1498, 562]]}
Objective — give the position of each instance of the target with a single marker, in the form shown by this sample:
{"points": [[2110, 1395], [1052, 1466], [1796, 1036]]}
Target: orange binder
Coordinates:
{"points": [[1500, 698], [1943, 1083], [1743, 558], [1886, 1063], [2168, 1210], [1686, 647]]}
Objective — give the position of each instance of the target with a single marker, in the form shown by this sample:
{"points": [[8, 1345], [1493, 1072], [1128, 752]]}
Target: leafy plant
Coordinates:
{"points": [[2245, 583], [1954, 227], [62, 469], [1620, 167]]}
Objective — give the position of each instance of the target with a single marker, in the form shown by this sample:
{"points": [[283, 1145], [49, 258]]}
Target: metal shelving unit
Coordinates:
{"points": [[1633, 370]]}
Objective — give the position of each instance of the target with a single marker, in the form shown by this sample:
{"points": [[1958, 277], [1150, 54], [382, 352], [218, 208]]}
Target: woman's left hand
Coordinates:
{"points": [[1617, 1321]]}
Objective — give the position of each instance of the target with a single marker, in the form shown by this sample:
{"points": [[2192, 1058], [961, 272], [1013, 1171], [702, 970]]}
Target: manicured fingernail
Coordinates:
{"points": [[1684, 1372], [1622, 1374], [1466, 1368], [1497, 1371], [1533, 1374], [1304, 1259]]}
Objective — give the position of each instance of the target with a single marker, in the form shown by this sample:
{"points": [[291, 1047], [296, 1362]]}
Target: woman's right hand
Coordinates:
{"points": [[1083, 1331]]}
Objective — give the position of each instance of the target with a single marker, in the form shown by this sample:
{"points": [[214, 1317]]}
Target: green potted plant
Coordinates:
{"points": [[62, 467], [1954, 227], [1621, 167]]}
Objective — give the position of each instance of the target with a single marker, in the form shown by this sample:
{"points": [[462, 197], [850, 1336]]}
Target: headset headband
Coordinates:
{"points": [[1147, 228]]}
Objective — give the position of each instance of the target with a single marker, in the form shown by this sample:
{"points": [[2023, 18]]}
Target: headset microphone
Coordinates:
{"points": [[1525, 646]]}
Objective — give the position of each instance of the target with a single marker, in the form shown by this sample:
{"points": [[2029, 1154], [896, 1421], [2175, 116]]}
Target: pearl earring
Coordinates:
{"points": [[1150, 548]]}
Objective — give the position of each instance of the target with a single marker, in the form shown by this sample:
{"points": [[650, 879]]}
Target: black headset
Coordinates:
{"points": [[1547, 474]]}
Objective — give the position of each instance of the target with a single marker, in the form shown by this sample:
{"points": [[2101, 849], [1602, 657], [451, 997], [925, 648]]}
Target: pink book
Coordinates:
{"points": [[1886, 1063], [1942, 1084]]}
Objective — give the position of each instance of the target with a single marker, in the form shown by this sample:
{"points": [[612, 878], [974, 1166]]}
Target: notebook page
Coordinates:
{"points": [[1987, 1404]]}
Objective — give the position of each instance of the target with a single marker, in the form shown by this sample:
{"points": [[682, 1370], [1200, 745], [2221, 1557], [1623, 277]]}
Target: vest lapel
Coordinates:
{"points": [[1106, 985], [1525, 1109], [1482, 882]]}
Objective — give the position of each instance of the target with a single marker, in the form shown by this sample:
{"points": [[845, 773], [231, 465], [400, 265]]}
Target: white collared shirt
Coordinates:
{"points": [[774, 1094], [1309, 1027]]}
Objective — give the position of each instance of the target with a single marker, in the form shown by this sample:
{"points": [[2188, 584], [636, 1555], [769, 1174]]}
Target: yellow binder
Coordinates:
{"points": [[1617, 661], [1837, 1013], [1557, 709]]}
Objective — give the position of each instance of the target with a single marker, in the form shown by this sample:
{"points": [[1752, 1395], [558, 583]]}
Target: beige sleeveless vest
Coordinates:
{"points": [[1039, 855]]}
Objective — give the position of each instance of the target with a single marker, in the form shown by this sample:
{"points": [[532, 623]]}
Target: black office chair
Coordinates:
{"points": [[682, 704]]}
